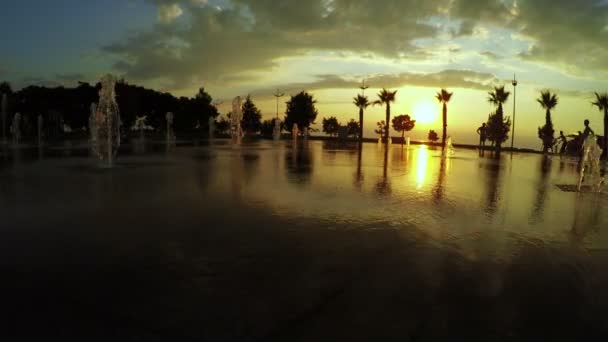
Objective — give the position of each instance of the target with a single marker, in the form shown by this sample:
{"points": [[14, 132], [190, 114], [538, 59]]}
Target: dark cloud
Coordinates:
{"points": [[490, 55], [446, 79], [196, 43], [252, 34], [571, 34], [69, 77]]}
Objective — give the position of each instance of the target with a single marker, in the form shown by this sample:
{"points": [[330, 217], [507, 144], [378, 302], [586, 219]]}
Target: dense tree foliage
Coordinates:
{"points": [[331, 126], [433, 136], [496, 121], [300, 111], [252, 117], [601, 102], [403, 123], [353, 129], [498, 129], [546, 133], [72, 106]]}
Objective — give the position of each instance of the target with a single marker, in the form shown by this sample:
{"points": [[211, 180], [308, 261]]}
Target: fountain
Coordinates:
{"points": [[4, 112], [276, 131], [16, 128], [92, 127], [40, 126], [169, 119], [407, 142], [141, 125], [305, 133], [211, 126], [590, 166], [449, 147], [107, 122], [294, 132], [235, 118]]}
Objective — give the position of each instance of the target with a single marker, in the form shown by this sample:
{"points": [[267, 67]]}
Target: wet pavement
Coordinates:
{"points": [[319, 241]]}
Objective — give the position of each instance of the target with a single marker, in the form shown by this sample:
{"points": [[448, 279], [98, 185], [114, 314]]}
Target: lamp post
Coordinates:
{"points": [[363, 86], [514, 83]]}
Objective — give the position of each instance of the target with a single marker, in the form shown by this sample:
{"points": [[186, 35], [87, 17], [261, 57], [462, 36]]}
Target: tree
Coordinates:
{"points": [[601, 102], [386, 97], [353, 129], [5, 88], [443, 96], [362, 103], [222, 127], [300, 111], [252, 117], [547, 101], [498, 129], [433, 136], [498, 97], [267, 128], [331, 126], [381, 128], [403, 123]]}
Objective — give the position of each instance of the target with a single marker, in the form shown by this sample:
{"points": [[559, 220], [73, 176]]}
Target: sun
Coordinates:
{"points": [[425, 112]]}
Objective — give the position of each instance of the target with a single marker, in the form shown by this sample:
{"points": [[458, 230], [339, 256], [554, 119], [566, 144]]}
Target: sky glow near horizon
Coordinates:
{"points": [[240, 47]]}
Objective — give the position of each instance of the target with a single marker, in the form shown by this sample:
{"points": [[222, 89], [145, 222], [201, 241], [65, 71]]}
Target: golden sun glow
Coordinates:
{"points": [[425, 112]]}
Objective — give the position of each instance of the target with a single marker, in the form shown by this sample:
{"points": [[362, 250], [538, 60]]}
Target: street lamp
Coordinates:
{"points": [[363, 86], [278, 95], [514, 83]]}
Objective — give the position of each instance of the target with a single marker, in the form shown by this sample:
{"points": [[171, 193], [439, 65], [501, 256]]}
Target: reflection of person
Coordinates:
{"points": [[564, 141], [482, 131]]}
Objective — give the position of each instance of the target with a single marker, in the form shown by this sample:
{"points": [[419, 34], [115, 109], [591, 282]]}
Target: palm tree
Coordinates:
{"points": [[497, 98], [362, 103], [547, 101], [443, 96], [385, 97], [601, 102]]}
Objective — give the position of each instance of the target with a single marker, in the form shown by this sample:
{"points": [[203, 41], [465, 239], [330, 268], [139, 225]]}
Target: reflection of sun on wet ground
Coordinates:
{"points": [[421, 166]]}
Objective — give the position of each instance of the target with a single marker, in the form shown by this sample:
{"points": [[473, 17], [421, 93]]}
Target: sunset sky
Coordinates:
{"points": [[327, 47]]}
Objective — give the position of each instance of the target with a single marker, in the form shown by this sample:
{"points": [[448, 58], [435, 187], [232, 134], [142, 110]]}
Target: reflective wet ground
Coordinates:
{"points": [[319, 241]]}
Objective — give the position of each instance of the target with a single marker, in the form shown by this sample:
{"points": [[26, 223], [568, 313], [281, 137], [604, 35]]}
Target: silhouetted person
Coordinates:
{"points": [[483, 135], [564, 141], [587, 130]]}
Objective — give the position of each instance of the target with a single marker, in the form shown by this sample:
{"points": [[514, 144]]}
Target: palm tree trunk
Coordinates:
{"points": [[388, 117], [360, 124], [445, 124], [605, 132]]}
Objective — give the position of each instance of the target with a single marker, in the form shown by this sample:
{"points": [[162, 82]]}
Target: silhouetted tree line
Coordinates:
{"points": [[72, 107]]}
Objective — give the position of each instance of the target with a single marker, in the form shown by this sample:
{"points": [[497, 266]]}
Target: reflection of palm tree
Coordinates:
{"points": [[439, 187], [359, 174], [386, 97], [541, 189], [493, 183], [383, 187], [601, 103], [362, 103], [443, 96]]}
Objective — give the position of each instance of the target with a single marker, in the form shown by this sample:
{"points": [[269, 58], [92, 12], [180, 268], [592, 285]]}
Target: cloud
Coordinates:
{"points": [[251, 35], [69, 77], [167, 13], [489, 55], [443, 79], [221, 41]]}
